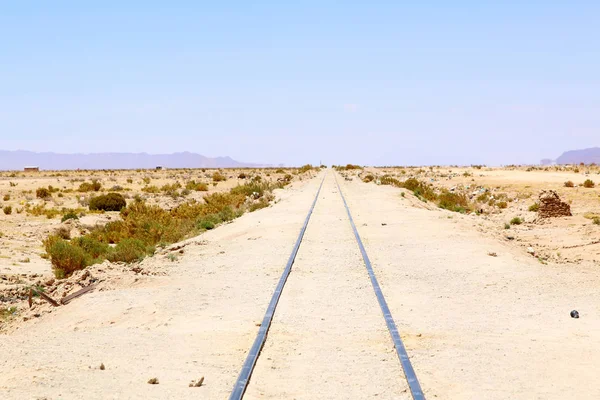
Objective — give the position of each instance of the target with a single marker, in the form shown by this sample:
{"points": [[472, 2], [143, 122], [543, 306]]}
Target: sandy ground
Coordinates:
{"points": [[200, 320], [560, 240], [475, 326]]}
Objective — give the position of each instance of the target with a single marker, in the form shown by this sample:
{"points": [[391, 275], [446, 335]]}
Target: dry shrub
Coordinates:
{"points": [[142, 227], [368, 178], [453, 202], [589, 184], [197, 186], [130, 250], [94, 186], [63, 232], [305, 168], [569, 184], [43, 193], [108, 202], [218, 177]]}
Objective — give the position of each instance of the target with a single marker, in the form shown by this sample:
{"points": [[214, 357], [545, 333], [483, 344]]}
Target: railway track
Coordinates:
{"points": [[307, 317]]}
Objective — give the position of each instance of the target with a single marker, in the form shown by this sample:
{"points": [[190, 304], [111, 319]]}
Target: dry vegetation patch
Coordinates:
{"points": [[509, 198]]}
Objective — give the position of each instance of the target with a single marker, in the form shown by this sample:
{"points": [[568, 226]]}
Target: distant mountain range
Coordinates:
{"points": [[17, 160], [586, 156]]}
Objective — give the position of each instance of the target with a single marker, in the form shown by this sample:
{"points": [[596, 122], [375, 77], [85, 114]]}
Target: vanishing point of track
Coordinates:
{"points": [[250, 362]]}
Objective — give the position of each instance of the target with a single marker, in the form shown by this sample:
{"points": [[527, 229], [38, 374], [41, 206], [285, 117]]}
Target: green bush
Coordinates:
{"points": [[94, 248], [596, 220], [108, 202], [65, 257], [368, 178], [502, 204], [7, 210], [535, 207], [69, 215], [130, 250], [516, 221], [589, 184], [207, 223]]}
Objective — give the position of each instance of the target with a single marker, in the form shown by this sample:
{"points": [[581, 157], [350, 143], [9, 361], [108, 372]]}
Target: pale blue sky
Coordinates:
{"points": [[365, 82]]}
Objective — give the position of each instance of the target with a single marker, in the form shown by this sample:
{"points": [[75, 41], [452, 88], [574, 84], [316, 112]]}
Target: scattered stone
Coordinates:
{"points": [[102, 367], [531, 250], [492, 254], [510, 237], [383, 224], [551, 206], [574, 314], [153, 381]]}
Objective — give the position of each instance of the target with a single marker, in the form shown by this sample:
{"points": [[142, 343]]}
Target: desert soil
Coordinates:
{"points": [[475, 326]]}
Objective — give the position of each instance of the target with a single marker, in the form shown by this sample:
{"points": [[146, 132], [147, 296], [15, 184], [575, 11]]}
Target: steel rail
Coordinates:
{"points": [[242, 382], [409, 372]]}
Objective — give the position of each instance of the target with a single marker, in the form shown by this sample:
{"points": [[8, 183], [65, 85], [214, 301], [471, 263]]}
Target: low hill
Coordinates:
{"points": [[16, 160], [586, 156]]}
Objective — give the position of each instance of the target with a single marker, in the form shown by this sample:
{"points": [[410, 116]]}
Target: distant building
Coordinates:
{"points": [[158, 168], [32, 169]]}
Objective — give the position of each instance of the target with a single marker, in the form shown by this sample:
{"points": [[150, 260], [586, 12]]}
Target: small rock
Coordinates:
{"points": [[197, 384], [531, 250], [153, 381], [102, 367], [492, 254], [574, 314]]}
